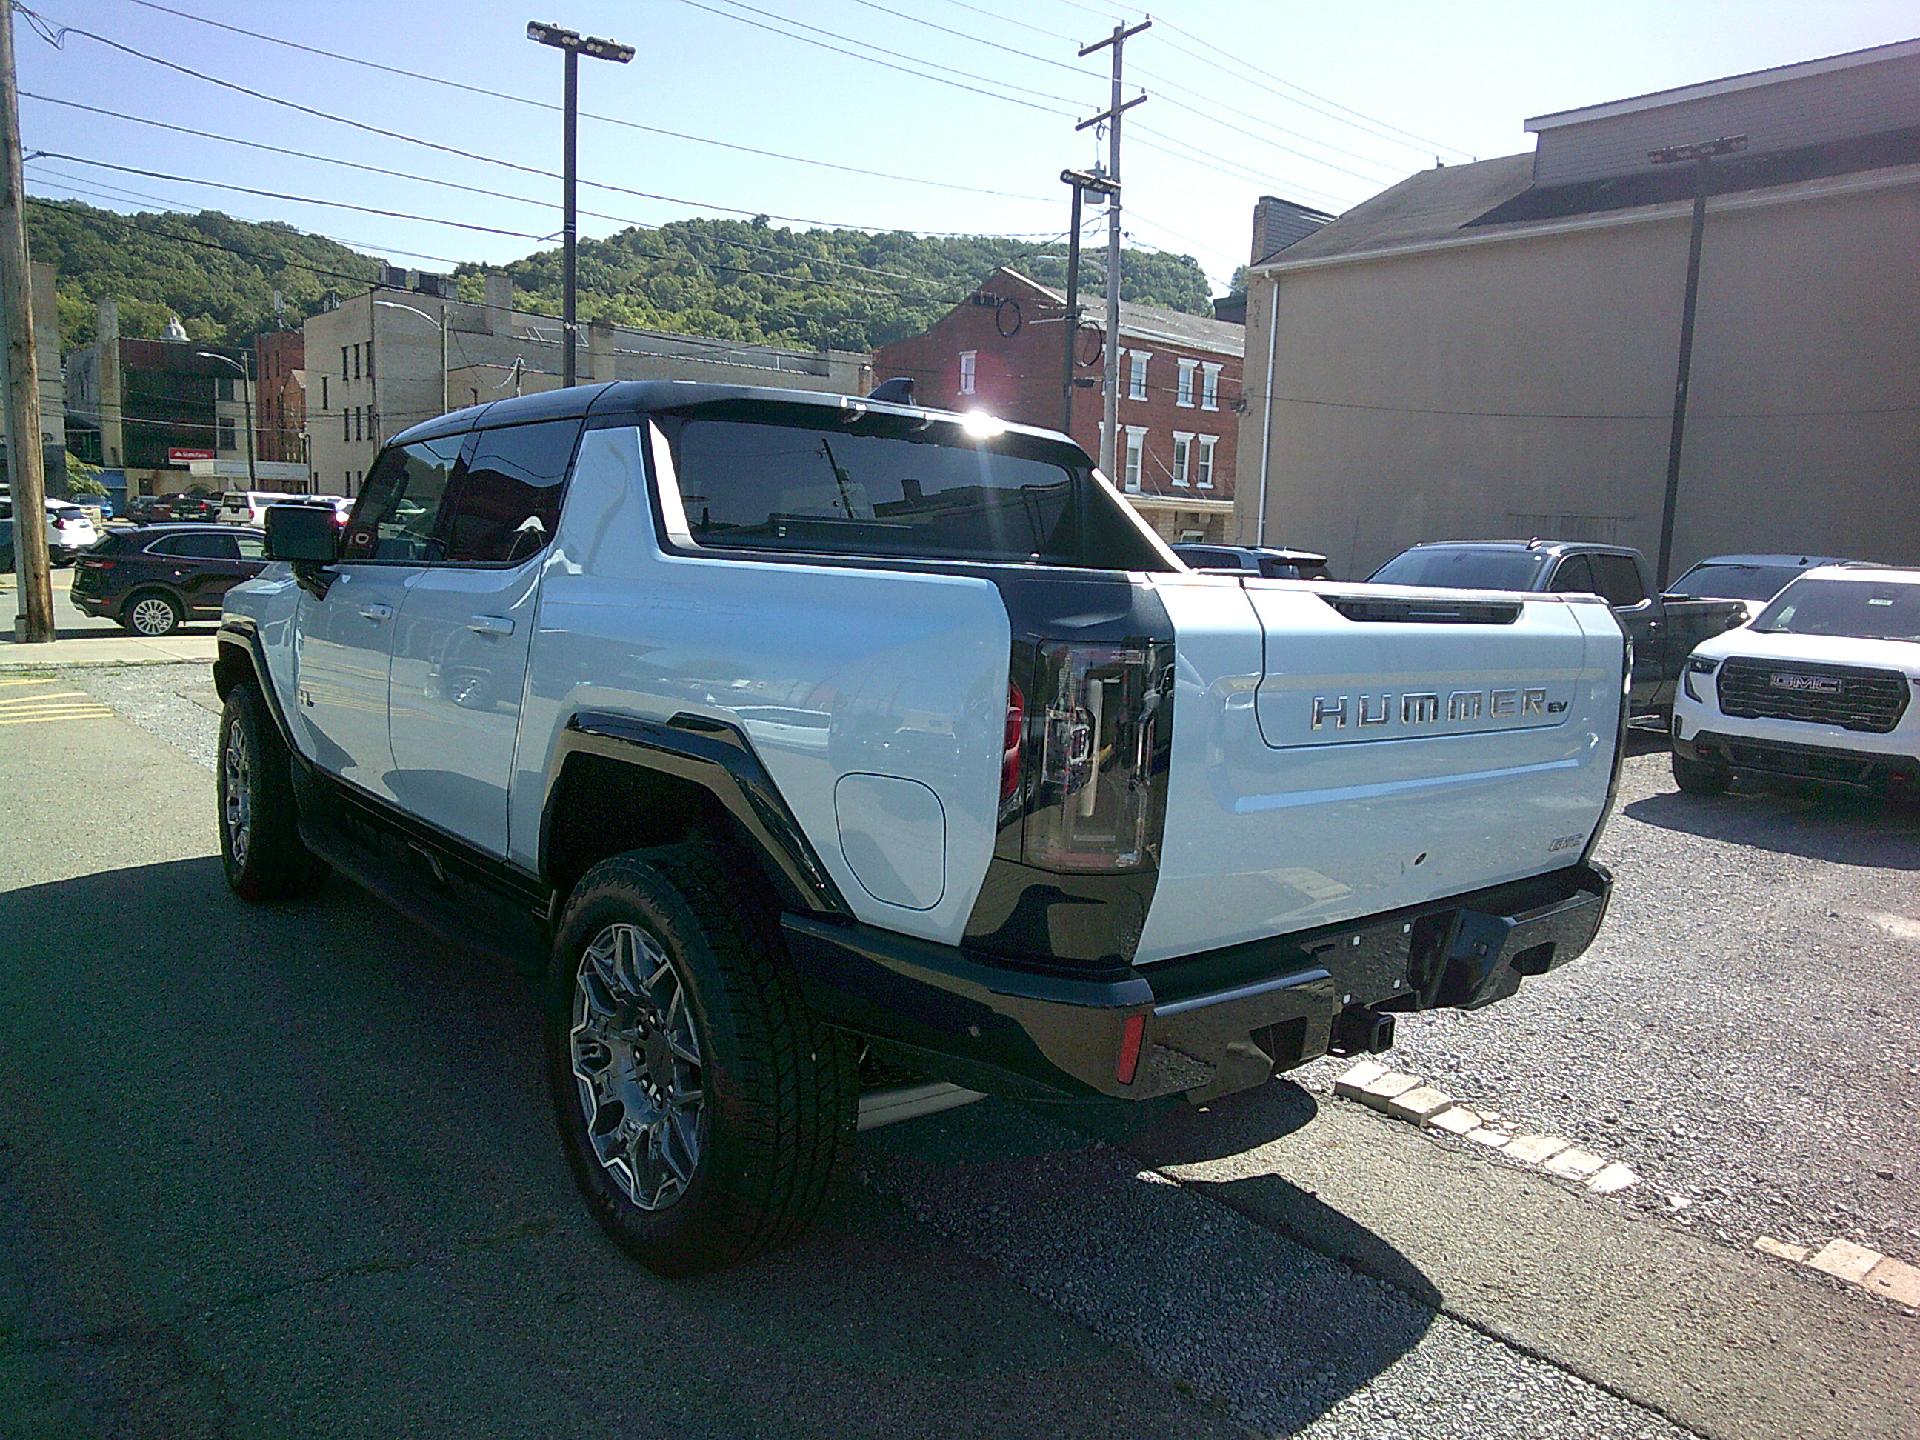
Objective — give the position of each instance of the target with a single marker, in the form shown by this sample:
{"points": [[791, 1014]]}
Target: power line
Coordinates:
{"points": [[528, 100]]}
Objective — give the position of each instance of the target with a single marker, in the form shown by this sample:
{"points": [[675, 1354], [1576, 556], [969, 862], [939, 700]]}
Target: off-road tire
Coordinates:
{"points": [[781, 1091], [274, 863], [1697, 777]]}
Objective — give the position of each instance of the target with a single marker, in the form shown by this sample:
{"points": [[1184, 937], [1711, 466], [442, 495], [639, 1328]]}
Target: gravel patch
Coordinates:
{"points": [[175, 702], [1746, 1031]]}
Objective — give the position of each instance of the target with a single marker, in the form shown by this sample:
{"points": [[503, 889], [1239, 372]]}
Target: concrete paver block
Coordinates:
{"points": [[1380, 1091], [1782, 1249], [1455, 1120], [1896, 1280], [1574, 1164], [1418, 1104], [1613, 1178], [1358, 1078], [1493, 1139], [1532, 1149], [1845, 1260]]}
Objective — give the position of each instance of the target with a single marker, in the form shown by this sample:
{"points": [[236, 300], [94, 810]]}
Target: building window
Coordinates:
{"points": [[223, 387], [323, 393], [225, 440], [356, 362], [1185, 394], [346, 425], [1136, 456], [343, 362], [1203, 472], [1137, 374], [1182, 456], [967, 359], [1210, 388], [369, 349]]}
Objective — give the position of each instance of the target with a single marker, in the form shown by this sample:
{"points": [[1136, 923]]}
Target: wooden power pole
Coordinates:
{"points": [[1110, 117], [26, 471]]}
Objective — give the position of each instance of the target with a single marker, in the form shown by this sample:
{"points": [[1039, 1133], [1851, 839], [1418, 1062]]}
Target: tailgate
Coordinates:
{"points": [[1343, 751]]}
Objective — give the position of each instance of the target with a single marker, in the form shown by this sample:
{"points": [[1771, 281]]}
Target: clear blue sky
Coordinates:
{"points": [[1459, 75]]}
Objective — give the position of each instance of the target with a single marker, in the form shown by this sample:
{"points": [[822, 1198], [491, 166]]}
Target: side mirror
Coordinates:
{"points": [[302, 533]]}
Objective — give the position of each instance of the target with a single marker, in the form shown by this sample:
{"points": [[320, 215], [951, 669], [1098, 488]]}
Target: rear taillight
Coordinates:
{"points": [[89, 563], [1010, 743], [1095, 802]]}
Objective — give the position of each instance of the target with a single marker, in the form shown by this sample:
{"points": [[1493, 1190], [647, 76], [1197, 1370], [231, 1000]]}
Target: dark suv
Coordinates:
{"points": [[155, 578]]}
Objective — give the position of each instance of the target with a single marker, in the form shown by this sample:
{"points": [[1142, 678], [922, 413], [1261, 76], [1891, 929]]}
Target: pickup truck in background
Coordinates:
{"points": [[1664, 628], [805, 741], [1751, 579]]}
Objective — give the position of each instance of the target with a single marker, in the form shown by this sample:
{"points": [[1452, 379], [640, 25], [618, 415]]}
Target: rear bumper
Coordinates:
{"points": [[1203, 1025], [1880, 771]]}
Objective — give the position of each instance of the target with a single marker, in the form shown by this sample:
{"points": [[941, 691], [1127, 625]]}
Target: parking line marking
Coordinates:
{"points": [[42, 699], [48, 717]]}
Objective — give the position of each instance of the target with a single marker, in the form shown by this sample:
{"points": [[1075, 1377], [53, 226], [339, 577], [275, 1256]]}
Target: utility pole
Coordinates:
{"points": [[1081, 181], [26, 462], [1701, 155], [573, 45], [1110, 420]]}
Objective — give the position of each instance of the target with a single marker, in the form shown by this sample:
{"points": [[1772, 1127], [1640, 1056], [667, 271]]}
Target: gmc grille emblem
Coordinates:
{"points": [[1418, 708], [1819, 684]]}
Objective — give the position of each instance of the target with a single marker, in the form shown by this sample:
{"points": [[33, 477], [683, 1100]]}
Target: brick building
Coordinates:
{"points": [[999, 350], [280, 385]]}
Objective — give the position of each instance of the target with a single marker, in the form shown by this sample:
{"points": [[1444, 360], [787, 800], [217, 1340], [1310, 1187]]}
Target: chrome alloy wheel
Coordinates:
{"points": [[152, 616], [636, 1063], [236, 773]]}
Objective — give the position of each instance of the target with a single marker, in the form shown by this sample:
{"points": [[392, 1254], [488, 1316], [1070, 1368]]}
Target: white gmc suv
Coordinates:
{"points": [[811, 745], [1820, 686]]}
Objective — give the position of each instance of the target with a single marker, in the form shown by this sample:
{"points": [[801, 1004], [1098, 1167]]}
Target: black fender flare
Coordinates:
{"points": [[242, 635], [716, 756]]}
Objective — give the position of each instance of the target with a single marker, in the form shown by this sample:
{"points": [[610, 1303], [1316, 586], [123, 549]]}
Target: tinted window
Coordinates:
{"points": [[199, 546], [1619, 579], [884, 488], [1867, 609], [401, 503], [1575, 577], [1735, 582], [252, 547], [506, 501], [1463, 567]]}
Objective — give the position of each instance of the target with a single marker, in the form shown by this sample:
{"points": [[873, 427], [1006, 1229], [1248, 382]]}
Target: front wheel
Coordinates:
{"points": [[702, 1108], [1698, 777], [260, 845]]}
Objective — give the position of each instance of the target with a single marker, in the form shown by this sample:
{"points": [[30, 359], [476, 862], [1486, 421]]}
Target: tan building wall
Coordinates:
{"points": [[390, 376], [1803, 428]]}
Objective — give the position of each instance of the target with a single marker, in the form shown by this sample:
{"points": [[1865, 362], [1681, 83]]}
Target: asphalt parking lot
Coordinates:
{"points": [[291, 1171]]}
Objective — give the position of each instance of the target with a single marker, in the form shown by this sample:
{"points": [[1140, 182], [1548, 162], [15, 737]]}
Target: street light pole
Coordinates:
{"points": [[246, 399], [1081, 181], [441, 323], [1701, 155], [573, 45]]}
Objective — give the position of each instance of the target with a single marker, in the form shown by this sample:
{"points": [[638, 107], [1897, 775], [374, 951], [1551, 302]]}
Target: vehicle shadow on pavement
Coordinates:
{"points": [[1839, 826], [291, 1170]]}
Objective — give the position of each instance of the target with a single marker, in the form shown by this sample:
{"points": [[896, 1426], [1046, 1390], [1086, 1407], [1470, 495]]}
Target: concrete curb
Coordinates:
{"points": [[1853, 1265], [1400, 1096]]}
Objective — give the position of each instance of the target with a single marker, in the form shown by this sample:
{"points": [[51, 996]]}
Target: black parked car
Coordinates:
{"points": [[154, 578], [1273, 562]]}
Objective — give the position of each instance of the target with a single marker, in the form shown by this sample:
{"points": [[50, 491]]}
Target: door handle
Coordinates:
{"points": [[378, 614], [490, 625]]}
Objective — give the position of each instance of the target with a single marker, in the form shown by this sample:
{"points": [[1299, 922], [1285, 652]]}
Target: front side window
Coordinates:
{"points": [[1184, 396], [804, 479], [1203, 470], [506, 499], [400, 504], [1182, 456], [967, 362], [1137, 374], [1136, 457], [1619, 580]]}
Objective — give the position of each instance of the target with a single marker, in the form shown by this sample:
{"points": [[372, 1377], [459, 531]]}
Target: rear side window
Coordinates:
{"points": [[400, 505], [252, 547], [203, 545], [506, 501], [1619, 580], [806, 479]]}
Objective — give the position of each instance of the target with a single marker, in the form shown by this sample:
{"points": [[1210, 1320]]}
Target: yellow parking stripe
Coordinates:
{"points": [[43, 717], [39, 699]]}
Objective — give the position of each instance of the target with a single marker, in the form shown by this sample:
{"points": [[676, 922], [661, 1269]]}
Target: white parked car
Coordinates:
{"points": [[249, 507], [70, 530], [1819, 687]]}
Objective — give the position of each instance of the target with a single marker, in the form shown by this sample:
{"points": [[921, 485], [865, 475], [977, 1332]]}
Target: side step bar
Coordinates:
{"points": [[909, 1102]]}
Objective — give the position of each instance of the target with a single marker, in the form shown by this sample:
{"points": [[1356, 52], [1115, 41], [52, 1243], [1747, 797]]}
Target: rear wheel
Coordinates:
{"points": [[702, 1108], [1699, 777], [260, 845], [151, 612]]}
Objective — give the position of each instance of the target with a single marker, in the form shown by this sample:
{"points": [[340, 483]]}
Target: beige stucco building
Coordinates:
{"points": [[373, 364], [1490, 349]]}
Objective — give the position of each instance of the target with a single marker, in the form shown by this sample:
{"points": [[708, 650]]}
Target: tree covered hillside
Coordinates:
{"points": [[741, 280]]}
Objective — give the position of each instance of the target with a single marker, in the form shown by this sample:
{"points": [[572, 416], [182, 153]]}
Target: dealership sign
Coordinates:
{"points": [[180, 455]]}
